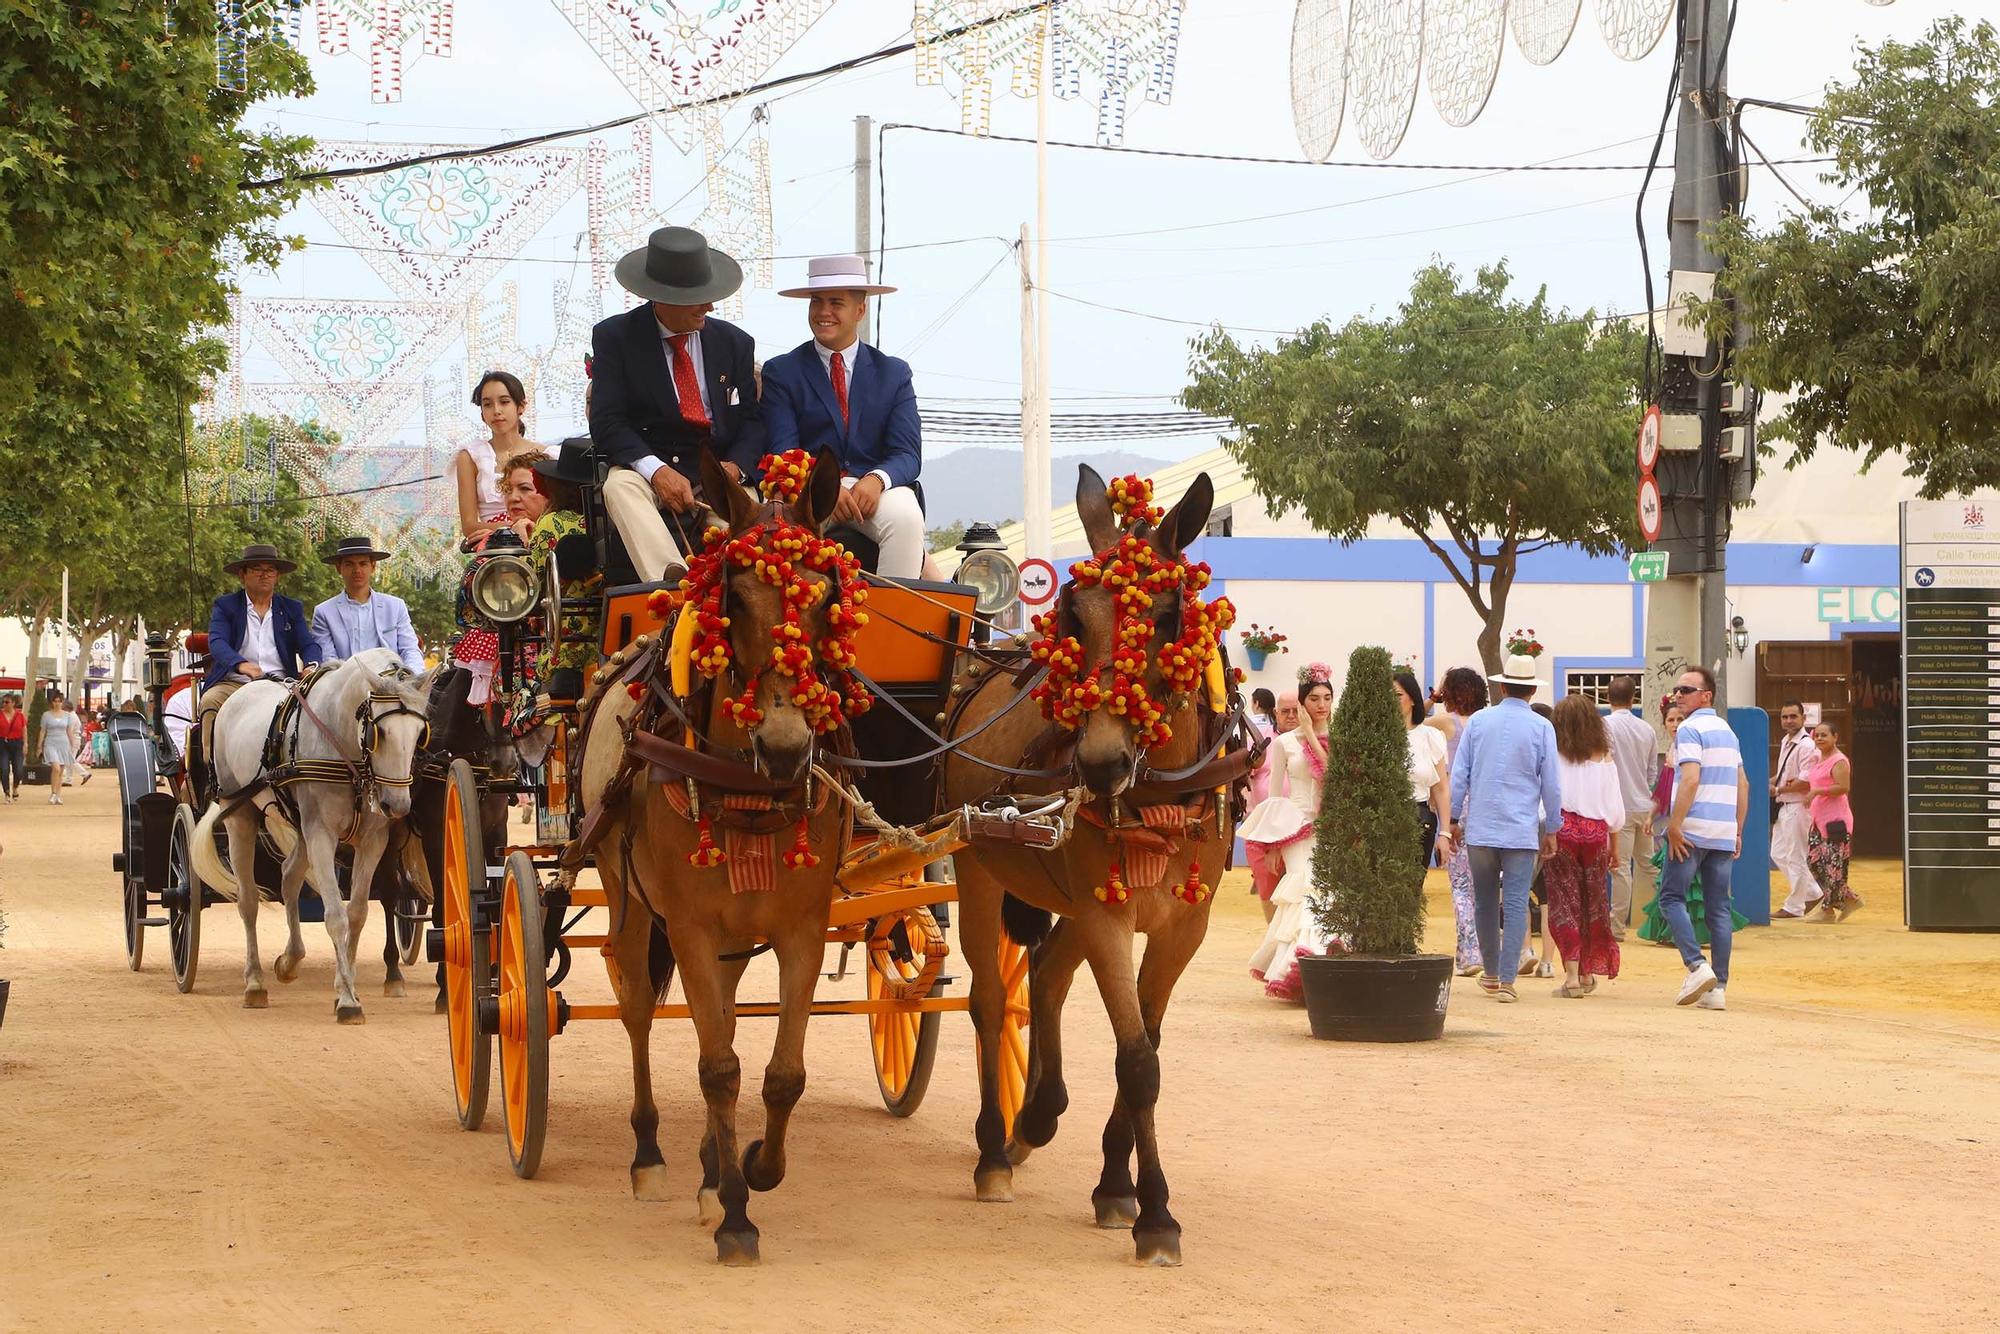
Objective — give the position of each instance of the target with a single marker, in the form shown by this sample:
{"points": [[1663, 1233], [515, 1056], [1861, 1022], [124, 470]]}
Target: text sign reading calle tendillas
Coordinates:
{"points": [[1951, 714]]}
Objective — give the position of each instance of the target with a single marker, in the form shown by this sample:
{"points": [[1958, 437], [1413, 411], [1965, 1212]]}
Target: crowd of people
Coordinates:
{"points": [[1567, 817]]}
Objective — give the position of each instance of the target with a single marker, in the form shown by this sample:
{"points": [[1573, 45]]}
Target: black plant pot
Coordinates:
{"points": [[5, 985], [1351, 999]]}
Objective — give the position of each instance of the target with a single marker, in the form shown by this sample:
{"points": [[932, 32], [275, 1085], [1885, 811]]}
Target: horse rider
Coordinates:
{"points": [[254, 634], [359, 616], [666, 380], [835, 390]]}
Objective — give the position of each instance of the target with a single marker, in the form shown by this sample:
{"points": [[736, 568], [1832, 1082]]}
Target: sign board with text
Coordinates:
{"points": [[1648, 567], [1951, 714]]}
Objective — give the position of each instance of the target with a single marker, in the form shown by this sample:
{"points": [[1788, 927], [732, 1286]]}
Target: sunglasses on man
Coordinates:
{"points": [[1689, 690]]}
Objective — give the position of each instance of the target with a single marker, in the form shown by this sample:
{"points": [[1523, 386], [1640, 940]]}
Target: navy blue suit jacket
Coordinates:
{"points": [[289, 630], [634, 410], [882, 429]]}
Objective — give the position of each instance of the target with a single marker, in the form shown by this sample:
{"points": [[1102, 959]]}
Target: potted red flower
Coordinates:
{"points": [[1260, 642]]}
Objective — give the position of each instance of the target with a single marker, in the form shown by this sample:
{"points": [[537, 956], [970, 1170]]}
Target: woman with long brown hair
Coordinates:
{"points": [[1463, 693], [1577, 877]]}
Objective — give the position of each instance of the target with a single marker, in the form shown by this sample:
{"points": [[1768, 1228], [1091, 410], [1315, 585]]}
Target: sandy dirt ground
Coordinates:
{"points": [[1822, 1156]]}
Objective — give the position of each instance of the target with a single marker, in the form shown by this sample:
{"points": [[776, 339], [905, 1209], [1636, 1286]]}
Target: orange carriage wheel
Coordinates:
{"points": [[904, 1041], [468, 954], [1013, 1032], [526, 1008]]}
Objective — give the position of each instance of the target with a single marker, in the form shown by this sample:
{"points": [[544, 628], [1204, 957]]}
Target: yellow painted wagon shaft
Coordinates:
{"points": [[881, 861]]}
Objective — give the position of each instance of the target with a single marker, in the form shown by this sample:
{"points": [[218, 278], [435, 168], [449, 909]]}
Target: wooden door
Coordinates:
{"points": [[1822, 672]]}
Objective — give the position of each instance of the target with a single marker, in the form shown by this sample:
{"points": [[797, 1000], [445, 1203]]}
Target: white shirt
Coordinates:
{"points": [[652, 463], [1426, 761], [260, 638], [847, 366], [359, 618], [1590, 789], [1796, 754], [1634, 751]]}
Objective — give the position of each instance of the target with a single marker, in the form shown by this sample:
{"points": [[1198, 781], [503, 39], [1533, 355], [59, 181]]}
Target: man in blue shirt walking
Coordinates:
{"points": [[1506, 807], [1704, 836]]}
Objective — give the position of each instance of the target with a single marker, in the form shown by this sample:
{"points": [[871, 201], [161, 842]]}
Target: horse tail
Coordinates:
{"points": [[208, 864], [660, 962], [1026, 925]]}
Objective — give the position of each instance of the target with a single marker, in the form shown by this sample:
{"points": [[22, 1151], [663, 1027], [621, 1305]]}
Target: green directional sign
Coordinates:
{"points": [[1649, 567]]}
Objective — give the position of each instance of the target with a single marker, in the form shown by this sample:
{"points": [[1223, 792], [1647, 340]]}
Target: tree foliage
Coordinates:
{"points": [[1488, 426], [1367, 886], [1887, 328]]}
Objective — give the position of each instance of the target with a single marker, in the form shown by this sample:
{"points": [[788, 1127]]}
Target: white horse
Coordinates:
{"points": [[355, 734]]}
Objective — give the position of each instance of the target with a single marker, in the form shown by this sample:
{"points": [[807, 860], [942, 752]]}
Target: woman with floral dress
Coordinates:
{"points": [[1578, 912], [1463, 693], [1831, 838], [1283, 824], [479, 469]]}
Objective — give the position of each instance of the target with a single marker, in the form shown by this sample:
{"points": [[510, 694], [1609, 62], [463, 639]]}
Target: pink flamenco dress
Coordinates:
{"points": [[477, 648], [1264, 865], [1282, 824]]}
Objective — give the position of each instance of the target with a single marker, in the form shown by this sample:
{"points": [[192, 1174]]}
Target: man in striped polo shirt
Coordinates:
{"points": [[1704, 835]]}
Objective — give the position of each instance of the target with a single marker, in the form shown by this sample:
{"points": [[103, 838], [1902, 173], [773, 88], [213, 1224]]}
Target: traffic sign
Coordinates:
{"points": [[1649, 442], [1649, 509], [1038, 582], [1649, 567]]}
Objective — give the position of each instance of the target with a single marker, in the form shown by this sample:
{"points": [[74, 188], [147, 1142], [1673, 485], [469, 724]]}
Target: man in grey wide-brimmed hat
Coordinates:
{"points": [[667, 380]]}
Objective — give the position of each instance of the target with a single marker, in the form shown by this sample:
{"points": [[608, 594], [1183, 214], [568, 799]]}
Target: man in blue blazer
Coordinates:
{"points": [[359, 617], [837, 390], [255, 633], [667, 381]]}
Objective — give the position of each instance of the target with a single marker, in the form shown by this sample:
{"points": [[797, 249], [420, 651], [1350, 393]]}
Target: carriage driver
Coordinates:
{"points": [[666, 380], [254, 633], [837, 390]]}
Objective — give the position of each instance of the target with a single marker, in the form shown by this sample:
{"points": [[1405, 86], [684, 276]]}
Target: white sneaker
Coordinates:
{"points": [[1712, 1000], [1697, 984]]}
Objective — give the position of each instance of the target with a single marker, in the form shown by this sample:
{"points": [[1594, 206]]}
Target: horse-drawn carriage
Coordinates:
{"points": [[512, 915]]}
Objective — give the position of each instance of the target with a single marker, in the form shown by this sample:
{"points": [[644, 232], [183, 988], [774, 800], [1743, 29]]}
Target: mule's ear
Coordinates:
{"points": [[725, 497], [1093, 510], [1188, 520], [815, 505]]}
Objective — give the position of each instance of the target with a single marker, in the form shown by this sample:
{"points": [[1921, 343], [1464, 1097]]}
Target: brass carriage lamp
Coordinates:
{"points": [[159, 663], [988, 569]]}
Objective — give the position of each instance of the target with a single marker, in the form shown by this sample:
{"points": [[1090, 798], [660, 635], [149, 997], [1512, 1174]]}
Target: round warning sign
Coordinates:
{"points": [[1649, 440], [1649, 509], [1038, 582]]}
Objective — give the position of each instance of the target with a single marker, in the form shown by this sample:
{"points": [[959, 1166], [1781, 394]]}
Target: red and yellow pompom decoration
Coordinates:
{"points": [[1113, 890], [1139, 577], [706, 853], [784, 555], [801, 854], [1192, 889]]}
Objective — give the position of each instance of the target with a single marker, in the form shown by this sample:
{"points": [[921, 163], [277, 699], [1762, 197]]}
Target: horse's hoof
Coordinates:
{"points": [[256, 1000], [650, 1183], [1159, 1249], [395, 987], [994, 1185], [286, 967], [737, 1249], [1116, 1211], [708, 1207], [756, 1174], [1018, 1151], [349, 1014]]}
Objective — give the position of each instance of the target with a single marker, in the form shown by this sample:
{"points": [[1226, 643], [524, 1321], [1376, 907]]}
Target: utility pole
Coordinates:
{"points": [[1688, 614], [864, 208], [1035, 500]]}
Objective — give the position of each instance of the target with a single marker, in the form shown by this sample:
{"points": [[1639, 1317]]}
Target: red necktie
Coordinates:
{"points": [[687, 385], [840, 386]]}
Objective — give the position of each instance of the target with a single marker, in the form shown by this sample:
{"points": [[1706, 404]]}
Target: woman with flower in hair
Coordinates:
{"points": [[1283, 825]]}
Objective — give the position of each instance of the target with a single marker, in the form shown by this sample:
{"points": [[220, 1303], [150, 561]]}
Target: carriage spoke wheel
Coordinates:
{"points": [[468, 954], [526, 1009], [1013, 1033], [183, 897], [408, 916], [135, 918], [904, 1041]]}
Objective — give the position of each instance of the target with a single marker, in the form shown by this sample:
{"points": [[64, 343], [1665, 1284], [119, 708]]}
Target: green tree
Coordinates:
{"points": [[1489, 427], [1367, 886], [121, 216], [1886, 327]]}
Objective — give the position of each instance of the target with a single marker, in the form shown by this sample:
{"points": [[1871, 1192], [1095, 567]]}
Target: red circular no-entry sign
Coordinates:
{"points": [[1038, 582], [1649, 509]]}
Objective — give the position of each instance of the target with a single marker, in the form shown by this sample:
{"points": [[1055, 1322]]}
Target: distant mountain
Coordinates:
{"points": [[983, 483]]}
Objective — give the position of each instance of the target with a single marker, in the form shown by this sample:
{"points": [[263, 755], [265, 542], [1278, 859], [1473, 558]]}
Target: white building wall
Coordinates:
{"points": [[1327, 622]]}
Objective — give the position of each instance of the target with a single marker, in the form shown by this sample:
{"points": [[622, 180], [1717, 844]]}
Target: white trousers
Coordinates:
{"points": [[898, 529], [1788, 854], [635, 513]]}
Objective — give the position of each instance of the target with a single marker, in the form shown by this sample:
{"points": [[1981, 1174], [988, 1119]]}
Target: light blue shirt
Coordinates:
{"points": [[1706, 740], [342, 628], [1505, 789]]}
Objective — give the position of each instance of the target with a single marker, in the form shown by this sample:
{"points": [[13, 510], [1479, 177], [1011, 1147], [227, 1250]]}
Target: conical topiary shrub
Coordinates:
{"points": [[1368, 889]]}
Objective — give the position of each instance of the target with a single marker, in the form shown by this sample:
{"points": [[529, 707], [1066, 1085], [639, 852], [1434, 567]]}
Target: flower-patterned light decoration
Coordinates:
{"points": [[242, 24], [780, 552], [1115, 45], [390, 28]]}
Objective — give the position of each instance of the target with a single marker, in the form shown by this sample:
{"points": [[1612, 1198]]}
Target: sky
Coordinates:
{"points": [[1171, 244]]}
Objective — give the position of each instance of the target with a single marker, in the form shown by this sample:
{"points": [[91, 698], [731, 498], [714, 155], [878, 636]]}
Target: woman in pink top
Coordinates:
{"points": [[1832, 834], [1576, 878]]}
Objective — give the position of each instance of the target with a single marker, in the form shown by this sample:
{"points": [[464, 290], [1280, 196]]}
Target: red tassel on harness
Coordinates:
{"points": [[705, 852], [1192, 889], [801, 854], [1113, 890]]}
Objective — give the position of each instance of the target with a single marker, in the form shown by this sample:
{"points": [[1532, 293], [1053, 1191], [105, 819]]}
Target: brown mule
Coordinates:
{"points": [[1017, 889], [647, 853]]}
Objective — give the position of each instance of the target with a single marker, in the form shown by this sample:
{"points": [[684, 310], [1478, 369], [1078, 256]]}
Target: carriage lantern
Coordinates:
{"points": [[988, 568], [503, 583], [159, 664]]}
